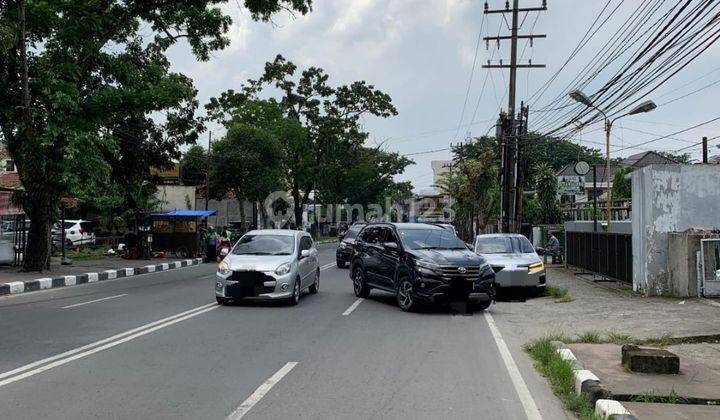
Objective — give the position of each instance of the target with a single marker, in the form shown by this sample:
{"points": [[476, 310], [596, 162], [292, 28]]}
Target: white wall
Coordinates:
{"points": [[173, 197], [668, 198]]}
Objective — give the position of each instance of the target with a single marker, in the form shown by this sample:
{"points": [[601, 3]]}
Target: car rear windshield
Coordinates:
{"points": [[353, 231], [430, 239], [265, 245], [68, 225], [504, 245]]}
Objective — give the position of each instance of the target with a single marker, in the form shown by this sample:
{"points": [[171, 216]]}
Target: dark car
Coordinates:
{"points": [[345, 249], [420, 263]]}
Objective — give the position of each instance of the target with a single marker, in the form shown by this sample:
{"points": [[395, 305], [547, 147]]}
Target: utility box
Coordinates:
{"points": [[683, 251]]}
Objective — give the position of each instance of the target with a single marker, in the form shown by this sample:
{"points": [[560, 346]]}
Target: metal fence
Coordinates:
{"points": [[607, 254]]}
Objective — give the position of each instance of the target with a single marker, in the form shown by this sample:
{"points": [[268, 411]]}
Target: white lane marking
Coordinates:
{"points": [[93, 301], [352, 307], [260, 392], [101, 348], [103, 341], [531, 410], [326, 266]]}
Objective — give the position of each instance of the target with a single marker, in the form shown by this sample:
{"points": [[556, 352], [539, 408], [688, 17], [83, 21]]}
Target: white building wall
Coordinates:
{"points": [[669, 198], [172, 197]]}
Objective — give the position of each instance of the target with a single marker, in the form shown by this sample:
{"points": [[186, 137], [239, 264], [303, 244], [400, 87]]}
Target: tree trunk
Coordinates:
{"points": [[37, 249], [297, 206]]}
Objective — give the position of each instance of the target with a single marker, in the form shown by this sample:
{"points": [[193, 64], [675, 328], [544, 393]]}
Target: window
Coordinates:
{"points": [[503, 245], [9, 165], [305, 243], [390, 236], [353, 231], [438, 238], [372, 235], [265, 245]]}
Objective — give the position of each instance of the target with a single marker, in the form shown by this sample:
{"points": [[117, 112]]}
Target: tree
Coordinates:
{"points": [[621, 188], [80, 80], [246, 162], [684, 158], [194, 165], [329, 116], [547, 194]]}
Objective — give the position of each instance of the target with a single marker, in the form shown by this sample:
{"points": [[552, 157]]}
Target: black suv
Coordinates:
{"points": [[420, 262], [346, 247]]}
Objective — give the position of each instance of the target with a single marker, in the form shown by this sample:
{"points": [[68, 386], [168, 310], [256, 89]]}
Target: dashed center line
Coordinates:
{"points": [[352, 307], [93, 301], [260, 392]]}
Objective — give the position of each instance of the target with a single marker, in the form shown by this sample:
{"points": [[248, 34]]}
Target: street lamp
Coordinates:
{"points": [[643, 107]]}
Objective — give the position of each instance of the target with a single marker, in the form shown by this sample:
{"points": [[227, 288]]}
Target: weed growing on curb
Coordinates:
{"points": [[560, 374], [620, 338], [591, 336], [560, 294]]}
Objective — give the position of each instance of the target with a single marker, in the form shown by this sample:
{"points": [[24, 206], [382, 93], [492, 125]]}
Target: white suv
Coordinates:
{"points": [[77, 232]]}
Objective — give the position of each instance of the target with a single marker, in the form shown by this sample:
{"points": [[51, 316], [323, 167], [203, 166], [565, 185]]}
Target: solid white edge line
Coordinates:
{"points": [[352, 307], [103, 347], [103, 341], [93, 301], [531, 410], [260, 392]]}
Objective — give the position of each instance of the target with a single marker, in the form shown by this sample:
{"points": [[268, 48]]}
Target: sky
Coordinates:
{"points": [[421, 53]]}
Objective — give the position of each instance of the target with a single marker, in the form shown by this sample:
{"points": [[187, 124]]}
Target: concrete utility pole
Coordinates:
{"points": [[511, 130], [705, 149], [207, 170]]}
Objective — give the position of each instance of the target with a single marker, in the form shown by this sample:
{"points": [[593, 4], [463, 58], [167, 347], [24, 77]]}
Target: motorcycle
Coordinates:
{"points": [[224, 246]]}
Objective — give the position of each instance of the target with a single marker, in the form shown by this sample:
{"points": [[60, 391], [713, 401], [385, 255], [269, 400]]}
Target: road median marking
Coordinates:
{"points": [[93, 301], [352, 307], [326, 266], [526, 399], [260, 392], [60, 359]]}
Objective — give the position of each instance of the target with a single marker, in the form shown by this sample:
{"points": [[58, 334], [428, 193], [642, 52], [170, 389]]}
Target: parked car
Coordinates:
{"points": [[346, 247], [446, 226], [420, 263], [77, 232], [514, 259], [269, 264]]}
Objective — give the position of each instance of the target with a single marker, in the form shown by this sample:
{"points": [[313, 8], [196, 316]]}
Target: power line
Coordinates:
{"points": [[669, 135]]}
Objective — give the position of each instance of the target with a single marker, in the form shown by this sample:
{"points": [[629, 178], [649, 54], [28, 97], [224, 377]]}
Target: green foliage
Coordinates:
{"points": [[472, 184], [589, 337], [561, 377], [621, 188], [245, 162], [325, 134], [677, 157], [98, 72], [194, 165], [546, 192]]}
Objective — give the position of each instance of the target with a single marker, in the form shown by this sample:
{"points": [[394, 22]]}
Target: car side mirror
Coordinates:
{"points": [[390, 246], [304, 253]]}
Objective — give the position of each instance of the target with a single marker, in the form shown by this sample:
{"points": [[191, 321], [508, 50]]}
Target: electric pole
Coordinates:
{"points": [[510, 129], [207, 170]]}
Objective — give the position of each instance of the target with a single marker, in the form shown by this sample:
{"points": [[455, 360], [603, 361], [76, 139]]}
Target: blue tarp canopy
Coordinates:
{"points": [[184, 214]]}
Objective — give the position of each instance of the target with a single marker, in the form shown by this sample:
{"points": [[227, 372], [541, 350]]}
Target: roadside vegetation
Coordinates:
{"points": [[560, 294], [559, 373], [83, 254]]}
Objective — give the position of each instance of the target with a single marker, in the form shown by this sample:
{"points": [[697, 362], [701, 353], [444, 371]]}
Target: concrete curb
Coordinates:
{"points": [[17, 287], [587, 384]]}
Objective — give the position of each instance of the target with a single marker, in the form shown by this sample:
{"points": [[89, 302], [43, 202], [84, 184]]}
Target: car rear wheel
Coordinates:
{"points": [[404, 295], [315, 287], [340, 263], [359, 285]]}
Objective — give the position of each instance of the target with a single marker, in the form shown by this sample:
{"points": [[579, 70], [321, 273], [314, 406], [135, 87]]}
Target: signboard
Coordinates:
{"points": [[571, 184]]}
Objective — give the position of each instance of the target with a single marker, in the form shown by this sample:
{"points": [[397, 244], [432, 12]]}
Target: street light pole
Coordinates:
{"points": [[645, 106]]}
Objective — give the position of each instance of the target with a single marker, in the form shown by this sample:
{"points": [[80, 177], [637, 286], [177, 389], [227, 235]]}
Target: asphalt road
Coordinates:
{"points": [[157, 346]]}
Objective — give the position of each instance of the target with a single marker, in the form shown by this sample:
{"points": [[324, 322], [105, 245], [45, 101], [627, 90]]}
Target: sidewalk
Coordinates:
{"points": [[13, 281], [608, 308], [603, 311]]}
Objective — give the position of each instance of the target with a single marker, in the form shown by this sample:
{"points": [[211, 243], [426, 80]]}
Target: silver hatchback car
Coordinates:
{"points": [[514, 260], [269, 264]]}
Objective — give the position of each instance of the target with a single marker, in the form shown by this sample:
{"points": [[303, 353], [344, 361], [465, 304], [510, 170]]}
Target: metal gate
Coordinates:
{"points": [[710, 267], [607, 254]]}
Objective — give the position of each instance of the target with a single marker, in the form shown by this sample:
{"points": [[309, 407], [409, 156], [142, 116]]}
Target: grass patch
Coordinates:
{"points": [[593, 337], [559, 373], [673, 398], [560, 294], [620, 338], [662, 341], [84, 254]]}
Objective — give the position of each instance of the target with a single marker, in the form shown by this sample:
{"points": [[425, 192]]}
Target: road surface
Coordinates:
{"points": [[157, 346]]}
